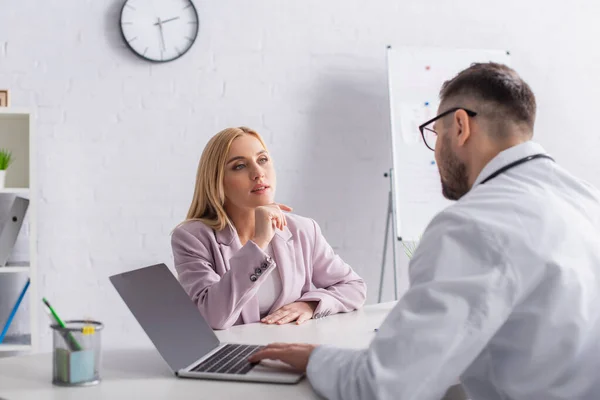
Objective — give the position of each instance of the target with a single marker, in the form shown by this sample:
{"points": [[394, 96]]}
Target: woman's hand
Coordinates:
{"points": [[267, 219], [300, 311]]}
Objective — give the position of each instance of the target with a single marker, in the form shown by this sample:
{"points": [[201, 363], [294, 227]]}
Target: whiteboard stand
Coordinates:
{"points": [[391, 215], [415, 76]]}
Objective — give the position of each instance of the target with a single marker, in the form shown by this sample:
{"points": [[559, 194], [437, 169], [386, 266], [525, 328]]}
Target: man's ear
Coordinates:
{"points": [[463, 123]]}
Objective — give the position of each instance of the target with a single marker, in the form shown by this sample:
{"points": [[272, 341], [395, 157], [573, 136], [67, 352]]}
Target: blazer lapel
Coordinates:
{"points": [[229, 243], [283, 252]]}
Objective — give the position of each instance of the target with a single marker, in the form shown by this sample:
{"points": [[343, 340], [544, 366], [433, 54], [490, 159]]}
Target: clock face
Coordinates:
{"points": [[159, 30]]}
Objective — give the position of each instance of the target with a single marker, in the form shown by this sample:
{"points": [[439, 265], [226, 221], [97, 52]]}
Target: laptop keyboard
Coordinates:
{"points": [[231, 359]]}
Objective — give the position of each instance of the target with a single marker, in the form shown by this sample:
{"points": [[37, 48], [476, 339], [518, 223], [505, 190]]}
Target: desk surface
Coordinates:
{"points": [[141, 373]]}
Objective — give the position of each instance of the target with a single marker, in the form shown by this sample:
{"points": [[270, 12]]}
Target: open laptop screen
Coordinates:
{"points": [[167, 314]]}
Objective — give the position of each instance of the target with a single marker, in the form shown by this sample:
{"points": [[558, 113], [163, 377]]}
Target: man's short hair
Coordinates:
{"points": [[509, 95]]}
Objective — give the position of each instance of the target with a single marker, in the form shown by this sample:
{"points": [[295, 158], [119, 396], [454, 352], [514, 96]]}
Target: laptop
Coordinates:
{"points": [[183, 337]]}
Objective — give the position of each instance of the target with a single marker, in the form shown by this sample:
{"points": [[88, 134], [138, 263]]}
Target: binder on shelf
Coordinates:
{"points": [[14, 311], [11, 226]]}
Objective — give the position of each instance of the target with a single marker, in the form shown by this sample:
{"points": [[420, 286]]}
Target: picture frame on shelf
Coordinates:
{"points": [[4, 98]]}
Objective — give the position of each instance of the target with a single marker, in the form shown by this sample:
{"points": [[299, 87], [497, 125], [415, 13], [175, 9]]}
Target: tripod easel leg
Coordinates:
{"points": [[385, 242], [394, 255], [390, 216]]}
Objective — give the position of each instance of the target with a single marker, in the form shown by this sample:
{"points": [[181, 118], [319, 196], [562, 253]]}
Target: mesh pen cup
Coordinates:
{"points": [[76, 353]]}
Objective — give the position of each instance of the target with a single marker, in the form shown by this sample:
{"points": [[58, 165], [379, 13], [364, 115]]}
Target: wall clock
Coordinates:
{"points": [[159, 30]]}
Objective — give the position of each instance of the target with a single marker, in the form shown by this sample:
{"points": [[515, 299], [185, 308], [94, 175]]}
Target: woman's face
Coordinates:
{"points": [[249, 179]]}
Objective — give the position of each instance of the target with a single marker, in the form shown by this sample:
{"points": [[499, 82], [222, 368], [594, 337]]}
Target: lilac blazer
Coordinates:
{"points": [[222, 277]]}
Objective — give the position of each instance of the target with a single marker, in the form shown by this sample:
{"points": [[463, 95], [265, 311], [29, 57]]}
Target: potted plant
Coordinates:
{"points": [[6, 159]]}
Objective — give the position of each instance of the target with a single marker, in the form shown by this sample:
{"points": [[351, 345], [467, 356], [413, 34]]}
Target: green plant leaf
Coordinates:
{"points": [[411, 247], [6, 159]]}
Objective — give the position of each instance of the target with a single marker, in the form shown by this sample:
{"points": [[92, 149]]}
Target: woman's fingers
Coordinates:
{"points": [[278, 317], [279, 219], [275, 220], [284, 207], [303, 318], [282, 216], [292, 316], [277, 215]]}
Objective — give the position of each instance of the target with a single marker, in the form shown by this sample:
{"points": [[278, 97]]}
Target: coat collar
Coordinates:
{"points": [[508, 156]]}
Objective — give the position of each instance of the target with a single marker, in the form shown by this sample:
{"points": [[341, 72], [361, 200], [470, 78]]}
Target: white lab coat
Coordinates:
{"points": [[505, 294]]}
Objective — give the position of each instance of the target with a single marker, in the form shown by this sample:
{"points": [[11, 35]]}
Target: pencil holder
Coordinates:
{"points": [[76, 353]]}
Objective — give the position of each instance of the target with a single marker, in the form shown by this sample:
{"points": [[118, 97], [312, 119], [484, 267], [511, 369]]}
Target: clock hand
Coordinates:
{"points": [[162, 37], [167, 20]]}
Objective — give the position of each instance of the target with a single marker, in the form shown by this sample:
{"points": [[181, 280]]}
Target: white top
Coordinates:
{"points": [[270, 289], [505, 293], [136, 366]]}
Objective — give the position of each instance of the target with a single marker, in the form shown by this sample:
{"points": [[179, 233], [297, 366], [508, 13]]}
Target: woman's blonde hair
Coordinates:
{"points": [[209, 195]]}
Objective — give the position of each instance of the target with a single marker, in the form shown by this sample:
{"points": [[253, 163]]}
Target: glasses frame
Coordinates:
{"points": [[442, 115]]}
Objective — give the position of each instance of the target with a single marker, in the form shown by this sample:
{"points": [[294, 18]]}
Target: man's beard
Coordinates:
{"points": [[455, 182]]}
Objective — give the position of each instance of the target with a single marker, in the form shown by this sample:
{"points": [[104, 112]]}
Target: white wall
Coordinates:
{"points": [[119, 139]]}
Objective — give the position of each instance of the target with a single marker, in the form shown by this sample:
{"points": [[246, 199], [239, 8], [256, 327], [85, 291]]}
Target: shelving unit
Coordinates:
{"points": [[19, 191], [16, 135], [9, 269], [16, 343]]}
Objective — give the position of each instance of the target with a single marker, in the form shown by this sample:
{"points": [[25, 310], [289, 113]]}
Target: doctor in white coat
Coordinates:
{"points": [[505, 284]]}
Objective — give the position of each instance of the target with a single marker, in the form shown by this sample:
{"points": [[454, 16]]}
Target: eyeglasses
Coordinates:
{"points": [[429, 135]]}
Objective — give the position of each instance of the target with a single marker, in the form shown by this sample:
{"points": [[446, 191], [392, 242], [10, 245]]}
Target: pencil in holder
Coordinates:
{"points": [[76, 353]]}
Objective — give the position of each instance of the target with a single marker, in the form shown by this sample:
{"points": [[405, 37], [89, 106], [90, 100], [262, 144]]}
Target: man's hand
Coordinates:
{"points": [[300, 311], [296, 355]]}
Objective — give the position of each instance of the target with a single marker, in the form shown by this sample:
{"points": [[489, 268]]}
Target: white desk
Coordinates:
{"points": [[142, 374]]}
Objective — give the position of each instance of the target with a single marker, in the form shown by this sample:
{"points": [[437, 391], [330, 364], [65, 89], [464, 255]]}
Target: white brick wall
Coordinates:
{"points": [[119, 138]]}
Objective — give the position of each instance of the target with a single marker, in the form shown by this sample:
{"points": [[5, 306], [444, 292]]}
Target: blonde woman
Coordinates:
{"points": [[243, 258]]}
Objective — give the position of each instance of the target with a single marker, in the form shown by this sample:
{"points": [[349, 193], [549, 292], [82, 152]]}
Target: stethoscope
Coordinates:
{"points": [[514, 164]]}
